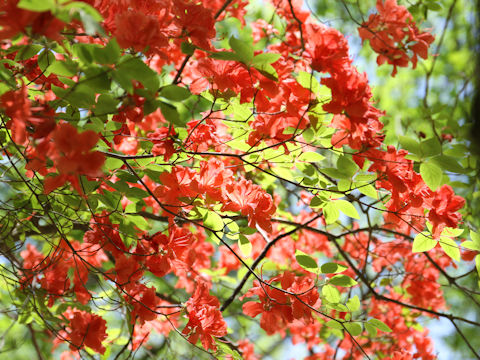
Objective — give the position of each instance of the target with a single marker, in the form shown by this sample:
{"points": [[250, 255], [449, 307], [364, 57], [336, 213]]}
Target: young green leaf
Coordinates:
{"points": [[331, 213], [353, 328], [311, 157], [243, 49], [423, 243], [213, 221], [306, 261], [431, 174], [353, 303], [244, 245], [332, 268], [372, 330], [380, 325], [342, 280], [175, 93], [334, 324], [347, 208], [450, 247], [331, 293]]}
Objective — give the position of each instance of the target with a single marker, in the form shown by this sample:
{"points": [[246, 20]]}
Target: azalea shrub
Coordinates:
{"points": [[214, 179]]}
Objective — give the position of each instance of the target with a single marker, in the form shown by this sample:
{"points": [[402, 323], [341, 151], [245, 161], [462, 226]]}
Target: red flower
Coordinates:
{"points": [[350, 92], [163, 142], [211, 178], [196, 22], [72, 156], [144, 302], [307, 294], [328, 48], [87, 330], [205, 322], [175, 185], [251, 200], [392, 33], [17, 108], [443, 212], [139, 31], [105, 234], [127, 269], [168, 250], [14, 20], [274, 306], [201, 296]]}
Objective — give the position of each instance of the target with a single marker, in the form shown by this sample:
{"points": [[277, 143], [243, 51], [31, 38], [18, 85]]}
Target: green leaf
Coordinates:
{"points": [[244, 245], [306, 261], [135, 193], [433, 6], [423, 243], [475, 237], [430, 147], [368, 190], [265, 58], [243, 49], [225, 55], [268, 71], [138, 221], [97, 80], [353, 328], [335, 173], [82, 6], [380, 325], [366, 178], [36, 5], [126, 176], [132, 68], [89, 17], [84, 52], [344, 185], [171, 114], [334, 324], [331, 293], [63, 68], [28, 51], [450, 247], [308, 81], [108, 54], [431, 174], [477, 263], [112, 164], [353, 304], [224, 351], [213, 221], [316, 202], [347, 208], [471, 245], [409, 144], [347, 166], [448, 163], [187, 48], [175, 93], [331, 213], [342, 280], [311, 157], [332, 268], [106, 104], [45, 59], [452, 232], [372, 330]]}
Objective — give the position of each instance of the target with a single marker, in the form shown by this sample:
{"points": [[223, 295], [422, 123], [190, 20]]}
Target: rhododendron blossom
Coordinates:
{"points": [[223, 179]]}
